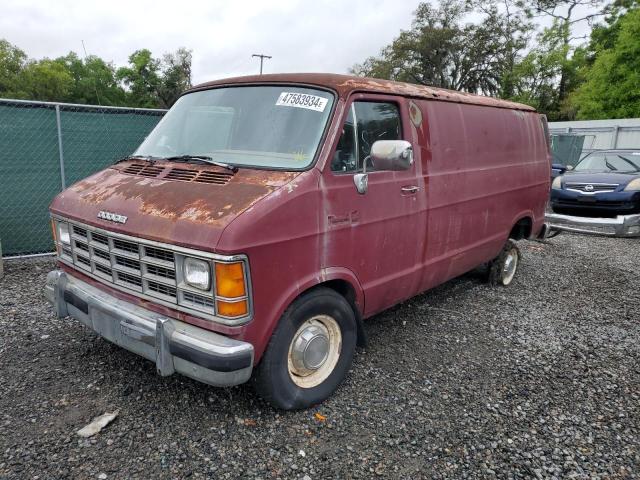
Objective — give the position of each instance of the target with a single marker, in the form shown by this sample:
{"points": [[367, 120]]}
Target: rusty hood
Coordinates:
{"points": [[182, 204]]}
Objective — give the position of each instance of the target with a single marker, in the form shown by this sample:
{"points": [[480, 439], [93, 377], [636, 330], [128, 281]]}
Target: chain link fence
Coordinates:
{"points": [[45, 147], [593, 135]]}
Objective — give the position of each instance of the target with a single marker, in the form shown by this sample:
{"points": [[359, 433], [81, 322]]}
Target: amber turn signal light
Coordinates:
{"points": [[53, 231], [230, 280], [55, 236], [232, 309]]}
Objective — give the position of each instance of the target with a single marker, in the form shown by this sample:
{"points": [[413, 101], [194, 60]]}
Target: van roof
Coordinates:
{"points": [[345, 84]]}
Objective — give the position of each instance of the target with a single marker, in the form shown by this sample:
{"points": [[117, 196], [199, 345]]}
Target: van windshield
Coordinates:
{"points": [[263, 126]]}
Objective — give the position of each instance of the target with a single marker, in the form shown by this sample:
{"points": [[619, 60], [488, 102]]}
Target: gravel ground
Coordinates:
{"points": [[541, 379]]}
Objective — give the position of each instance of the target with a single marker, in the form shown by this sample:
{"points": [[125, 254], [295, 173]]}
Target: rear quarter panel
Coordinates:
{"points": [[485, 168]]}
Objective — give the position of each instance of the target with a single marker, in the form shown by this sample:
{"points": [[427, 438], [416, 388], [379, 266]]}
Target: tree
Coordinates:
{"points": [[511, 22], [156, 83], [176, 76], [145, 82], [141, 78], [94, 81], [46, 80], [563, 13], [12, 63], [440, 50], [535, 76], [612, 84]]}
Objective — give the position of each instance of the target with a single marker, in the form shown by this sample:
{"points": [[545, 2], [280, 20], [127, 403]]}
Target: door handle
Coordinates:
{"points": [[409, 190]]}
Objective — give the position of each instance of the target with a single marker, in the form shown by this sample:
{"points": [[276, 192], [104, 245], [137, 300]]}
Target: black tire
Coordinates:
{"points": [[272, 379], [553, 233], [496, 274]]}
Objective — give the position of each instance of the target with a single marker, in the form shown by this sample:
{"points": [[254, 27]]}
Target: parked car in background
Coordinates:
{"points": [[566, 150], [558, 169], [600, 195], [264, 217]]}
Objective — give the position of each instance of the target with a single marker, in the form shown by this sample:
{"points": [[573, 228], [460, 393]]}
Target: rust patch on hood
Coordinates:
{"points": [[178, 200], [180, 212]]}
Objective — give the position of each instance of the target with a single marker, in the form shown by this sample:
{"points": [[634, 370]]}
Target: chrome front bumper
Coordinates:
{"points": [[620, 226], [173, 345]]}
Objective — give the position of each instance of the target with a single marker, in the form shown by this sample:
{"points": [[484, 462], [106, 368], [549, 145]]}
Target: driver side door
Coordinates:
{"points": [[378, 235]]}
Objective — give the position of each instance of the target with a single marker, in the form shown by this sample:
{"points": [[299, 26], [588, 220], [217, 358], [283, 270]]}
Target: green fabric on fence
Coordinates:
{"points": [[30, 164], [92, 141]]}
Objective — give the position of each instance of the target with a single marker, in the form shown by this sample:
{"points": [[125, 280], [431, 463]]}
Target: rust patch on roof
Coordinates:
{"points": [[346, 84]]}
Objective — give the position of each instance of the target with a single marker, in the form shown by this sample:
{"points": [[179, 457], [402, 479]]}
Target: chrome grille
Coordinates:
{"points": [[161, 272], [128, 247], [79, 231], [196, 299], [158, 254], [102, 254], [141, 268], [83, 261], [161, 289], [104, 270], [98, 238], [591, 187], [149, 269], [128, 263], [129, 279]]}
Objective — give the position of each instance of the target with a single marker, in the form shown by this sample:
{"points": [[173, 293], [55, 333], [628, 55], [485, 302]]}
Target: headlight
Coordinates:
{"points": [[63, 233], [557, 183], [633, 186], [197, 273]]}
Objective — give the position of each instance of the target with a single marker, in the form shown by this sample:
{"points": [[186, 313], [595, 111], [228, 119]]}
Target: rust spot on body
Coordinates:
{"points": [[344, 85], [178, 200]]}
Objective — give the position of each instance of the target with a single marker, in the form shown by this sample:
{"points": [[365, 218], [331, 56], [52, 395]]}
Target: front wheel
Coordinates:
{"points": [[502, 269], [310, 351]]}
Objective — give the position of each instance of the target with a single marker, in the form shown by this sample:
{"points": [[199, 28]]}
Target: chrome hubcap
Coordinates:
{"points": [[510, 265], [314, 351], [310, 349]]}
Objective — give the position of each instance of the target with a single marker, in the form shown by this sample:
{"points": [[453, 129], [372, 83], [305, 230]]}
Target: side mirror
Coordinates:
{"points": [[386, 155], [391, 155], [362, 182]]}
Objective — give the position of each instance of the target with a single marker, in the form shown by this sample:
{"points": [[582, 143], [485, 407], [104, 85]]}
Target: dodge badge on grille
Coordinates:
{"points": [[112, 217]]}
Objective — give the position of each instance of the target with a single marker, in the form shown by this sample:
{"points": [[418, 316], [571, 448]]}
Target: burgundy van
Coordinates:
{"points": [[265, 217]]}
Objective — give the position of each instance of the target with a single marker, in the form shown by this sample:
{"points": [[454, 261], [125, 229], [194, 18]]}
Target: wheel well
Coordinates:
{"points": [[522, 229], [345, 289]]}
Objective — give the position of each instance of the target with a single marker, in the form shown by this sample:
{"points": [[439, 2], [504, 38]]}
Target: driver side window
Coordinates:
{"points": [[366, 123]]}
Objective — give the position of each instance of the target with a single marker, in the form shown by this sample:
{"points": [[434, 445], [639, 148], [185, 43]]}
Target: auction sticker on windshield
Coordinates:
{"points": [[302, 100]]}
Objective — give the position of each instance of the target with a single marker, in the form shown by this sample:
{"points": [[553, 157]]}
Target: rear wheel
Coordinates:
{"points": [[503, 268], [310, 351]]}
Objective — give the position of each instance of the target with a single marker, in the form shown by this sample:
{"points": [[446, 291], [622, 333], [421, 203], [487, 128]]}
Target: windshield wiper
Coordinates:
{"points": [[204, 159], [609, 166], [630, 162]]}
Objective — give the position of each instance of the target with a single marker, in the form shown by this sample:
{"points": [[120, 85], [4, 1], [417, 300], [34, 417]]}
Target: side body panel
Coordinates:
{"points": [[378, 235], [318, 228], [484, 169], [479, 170]]}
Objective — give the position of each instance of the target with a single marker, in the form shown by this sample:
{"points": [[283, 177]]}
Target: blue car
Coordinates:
{"points": [[600, 195]]}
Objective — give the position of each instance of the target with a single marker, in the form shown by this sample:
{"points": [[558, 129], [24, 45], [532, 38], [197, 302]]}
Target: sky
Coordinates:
{"points": [[301, 36]]}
